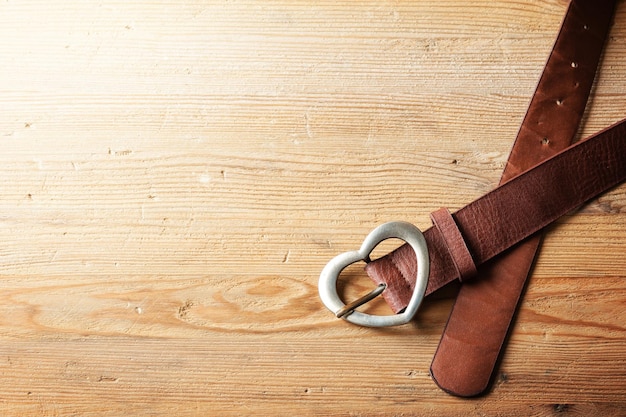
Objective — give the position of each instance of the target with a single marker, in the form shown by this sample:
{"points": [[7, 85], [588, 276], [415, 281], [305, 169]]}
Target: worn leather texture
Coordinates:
{"points": [[476, 330], [455, 245], [474, 335], [513, 211]]}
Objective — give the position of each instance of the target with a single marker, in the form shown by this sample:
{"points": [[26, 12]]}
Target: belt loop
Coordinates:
{"points": [[457, 248]]}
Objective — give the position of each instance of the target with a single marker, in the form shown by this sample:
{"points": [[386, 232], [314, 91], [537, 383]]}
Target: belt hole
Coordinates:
{"points": [[559, 102], [574, 64], [545, 141], [586, 27]]}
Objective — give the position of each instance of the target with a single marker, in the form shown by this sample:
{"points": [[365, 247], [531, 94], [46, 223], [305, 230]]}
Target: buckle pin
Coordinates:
{"points": [[350, 307]]}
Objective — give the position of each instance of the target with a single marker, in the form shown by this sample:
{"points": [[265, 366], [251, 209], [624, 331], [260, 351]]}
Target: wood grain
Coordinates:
{"points": [[176, 174]]}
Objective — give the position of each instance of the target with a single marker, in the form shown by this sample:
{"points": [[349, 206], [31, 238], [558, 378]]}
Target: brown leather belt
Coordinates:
{"points": [[507, 215], [527, 199], [491, 224], [469, 348]]}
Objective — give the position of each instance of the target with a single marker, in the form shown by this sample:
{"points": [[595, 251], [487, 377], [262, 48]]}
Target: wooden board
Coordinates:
{"points": [[176, 174]]}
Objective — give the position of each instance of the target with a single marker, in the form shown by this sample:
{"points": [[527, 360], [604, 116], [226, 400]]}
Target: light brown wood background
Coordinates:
{"points": [[175, 174]]}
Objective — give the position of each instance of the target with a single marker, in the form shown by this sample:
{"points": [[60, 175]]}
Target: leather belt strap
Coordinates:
{"points": [[525, 202], [484, 308], [513, 211]]}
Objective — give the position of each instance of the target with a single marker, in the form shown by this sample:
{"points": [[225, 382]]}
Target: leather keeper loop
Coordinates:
{"points": [[457, 248]]}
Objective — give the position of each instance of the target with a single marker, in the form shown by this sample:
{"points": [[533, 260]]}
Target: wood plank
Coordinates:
{"points": [[176, 174]]}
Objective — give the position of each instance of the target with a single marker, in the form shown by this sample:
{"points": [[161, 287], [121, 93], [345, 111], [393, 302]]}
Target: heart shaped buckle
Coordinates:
{"points": [[328, 278]]}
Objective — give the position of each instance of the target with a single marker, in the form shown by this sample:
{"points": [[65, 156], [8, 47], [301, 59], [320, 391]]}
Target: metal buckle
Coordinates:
{"points": [[328, 278]]}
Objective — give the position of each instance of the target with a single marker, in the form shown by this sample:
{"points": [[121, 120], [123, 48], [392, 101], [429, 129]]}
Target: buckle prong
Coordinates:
{"points": [[350, 307]]}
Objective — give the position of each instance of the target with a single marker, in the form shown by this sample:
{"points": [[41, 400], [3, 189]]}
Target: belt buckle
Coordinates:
{"points": [[328, 278]]}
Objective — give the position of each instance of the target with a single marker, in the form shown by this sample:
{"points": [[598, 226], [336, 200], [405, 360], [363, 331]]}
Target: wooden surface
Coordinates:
{"points": [[176, 174]]}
